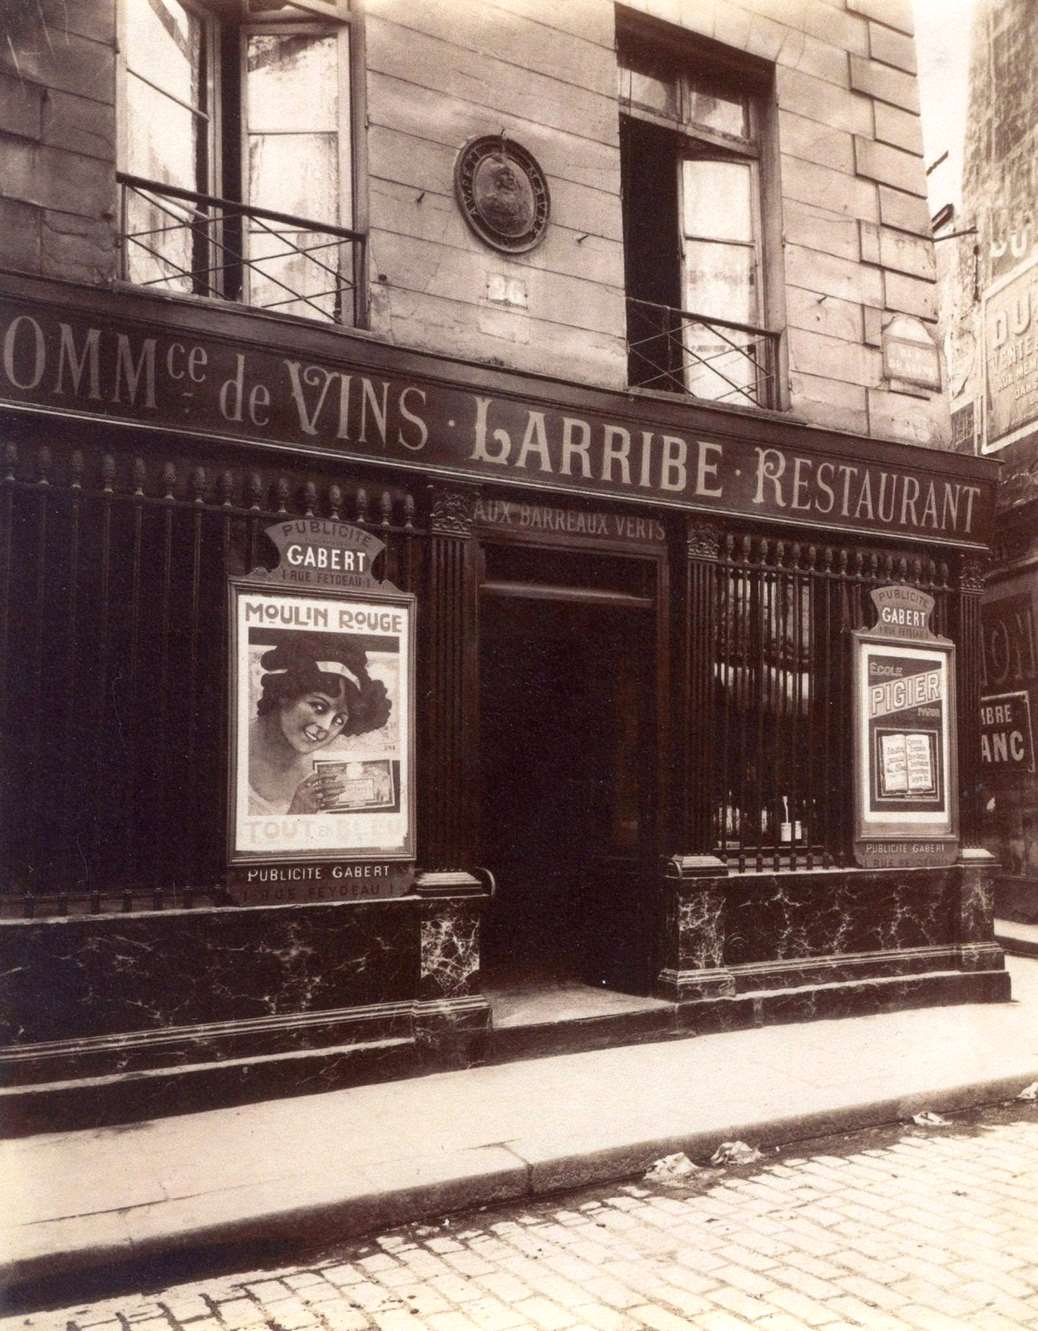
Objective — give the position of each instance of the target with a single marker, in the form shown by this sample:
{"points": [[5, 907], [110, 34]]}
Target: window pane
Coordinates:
{"points": [[295, 173], [292, 81], [717, 110], [280, 274], [718, 199], [164, 45], [163, 137], [645, 84], [166, 245], [719, 364], [719, 281]]}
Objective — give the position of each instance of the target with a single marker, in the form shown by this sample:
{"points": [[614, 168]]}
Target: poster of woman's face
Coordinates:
{"points": [[322, 726]]}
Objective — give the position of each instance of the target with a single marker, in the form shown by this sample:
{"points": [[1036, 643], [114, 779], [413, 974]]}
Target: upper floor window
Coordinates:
{"points": [[237, 152], [694, 159]]}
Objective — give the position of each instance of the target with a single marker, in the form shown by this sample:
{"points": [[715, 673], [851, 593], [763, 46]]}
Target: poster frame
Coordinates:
{"points": [[887, 837], [249, 584]]}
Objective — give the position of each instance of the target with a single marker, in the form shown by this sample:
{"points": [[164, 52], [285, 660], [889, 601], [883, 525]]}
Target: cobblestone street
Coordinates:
{"points": [[910, 1229]]}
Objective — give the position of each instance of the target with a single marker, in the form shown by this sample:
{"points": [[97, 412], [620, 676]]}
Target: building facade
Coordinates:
{"points": [[609, 332], [989, 295]]}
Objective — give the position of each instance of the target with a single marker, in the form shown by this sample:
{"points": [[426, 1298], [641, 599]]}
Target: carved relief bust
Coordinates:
{"points": [[502, 193]]}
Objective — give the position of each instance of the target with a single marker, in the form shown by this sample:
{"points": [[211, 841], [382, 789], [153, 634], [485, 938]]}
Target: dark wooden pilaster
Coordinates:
{"points": [[699, 635], [448, 701], [968, 668]]}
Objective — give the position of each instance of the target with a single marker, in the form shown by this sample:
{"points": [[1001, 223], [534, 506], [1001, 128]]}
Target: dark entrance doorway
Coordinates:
{"points": [[568, 777]]}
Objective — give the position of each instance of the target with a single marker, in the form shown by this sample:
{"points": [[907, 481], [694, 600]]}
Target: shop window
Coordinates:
{"points": [[236, 152], [779, 733], [695, 162]]}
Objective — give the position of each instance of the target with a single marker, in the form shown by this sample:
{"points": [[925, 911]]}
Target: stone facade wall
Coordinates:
{"points": [[57, 139], [855, 226]]}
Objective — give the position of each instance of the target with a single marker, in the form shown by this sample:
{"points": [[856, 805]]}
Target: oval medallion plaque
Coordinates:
{"points": [[503, 193]]}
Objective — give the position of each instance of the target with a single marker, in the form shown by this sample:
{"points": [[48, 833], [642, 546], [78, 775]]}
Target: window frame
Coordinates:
{"points": [[214, 136], [346, 19], [344, 150], [698, 63]]}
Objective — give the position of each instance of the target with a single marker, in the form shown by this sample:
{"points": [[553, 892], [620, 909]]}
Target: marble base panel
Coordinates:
{"points": [[682, 986], [794, 972], [82, 1102], [825, 1002], [154, 971], [109, 1018], [787, 916], [734, 932], [133, 1052], [452, 1032]]}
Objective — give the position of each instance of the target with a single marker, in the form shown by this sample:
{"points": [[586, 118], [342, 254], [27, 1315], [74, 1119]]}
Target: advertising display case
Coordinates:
{"points": [[905, 788], [322, 722]]}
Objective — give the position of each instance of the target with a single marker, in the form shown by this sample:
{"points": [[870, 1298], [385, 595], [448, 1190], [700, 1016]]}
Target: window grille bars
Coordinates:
{"points": [[113, 662], [203, 245], [677, 351], [113, 604], [782, 692]]}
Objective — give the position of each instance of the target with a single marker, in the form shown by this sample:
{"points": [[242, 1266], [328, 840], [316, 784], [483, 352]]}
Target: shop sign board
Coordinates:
{"points": [[906, 807], [550, 521], [73, 363], [1011, 355], [1009, 624], [1006, 736], [321, 799]]}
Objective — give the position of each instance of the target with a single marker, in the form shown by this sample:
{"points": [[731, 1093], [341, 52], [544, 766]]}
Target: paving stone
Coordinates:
{"points": [[543, 1313], [913, 1232]]}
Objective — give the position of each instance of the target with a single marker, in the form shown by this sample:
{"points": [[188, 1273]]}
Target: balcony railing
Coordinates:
{"points": [[677, 351], [202, 245]]}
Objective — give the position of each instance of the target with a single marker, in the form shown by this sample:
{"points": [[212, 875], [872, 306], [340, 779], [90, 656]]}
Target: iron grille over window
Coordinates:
{"points": [[113, 602], [780, 730]]}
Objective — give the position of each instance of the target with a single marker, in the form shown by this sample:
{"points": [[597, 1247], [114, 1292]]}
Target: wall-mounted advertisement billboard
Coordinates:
{"points": [[905, 747], [1011, 356], [322, 726]]}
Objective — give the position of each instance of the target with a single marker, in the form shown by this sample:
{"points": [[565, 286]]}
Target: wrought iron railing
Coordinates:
{"points": [[202, 245], [677, 351]]}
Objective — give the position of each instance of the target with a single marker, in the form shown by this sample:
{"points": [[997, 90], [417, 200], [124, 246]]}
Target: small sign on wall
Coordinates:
{"points": [[906, 811], [1006, 736], [910, 355]]}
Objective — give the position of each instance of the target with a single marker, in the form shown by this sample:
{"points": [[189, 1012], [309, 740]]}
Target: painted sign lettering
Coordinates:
{"points": [[1006, 736], [61, 362], [1011, 355], [511, 515]]}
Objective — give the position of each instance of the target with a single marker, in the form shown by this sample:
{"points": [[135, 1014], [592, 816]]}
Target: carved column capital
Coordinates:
{"points": [[703, 538], [973, 570], [451, 510]]}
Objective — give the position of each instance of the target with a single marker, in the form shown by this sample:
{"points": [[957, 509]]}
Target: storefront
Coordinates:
{"points": [[1009, 690], [682, 709]]}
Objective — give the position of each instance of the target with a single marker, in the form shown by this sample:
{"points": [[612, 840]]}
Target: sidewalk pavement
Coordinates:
{"points": [[1017, 938], [341, 1163]]}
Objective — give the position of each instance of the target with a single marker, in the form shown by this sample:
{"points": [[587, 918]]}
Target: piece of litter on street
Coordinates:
{"points": [[928, 1119], [735, 1153], [1029, 1092], [671, 1169]]}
